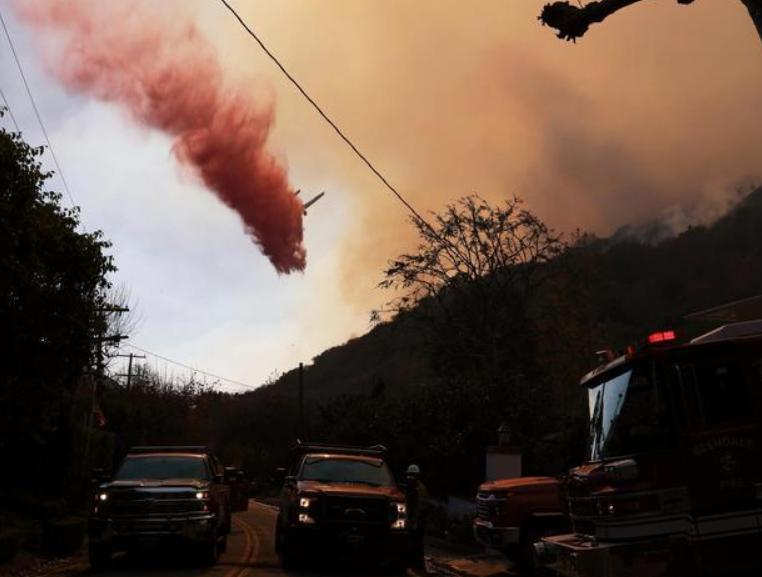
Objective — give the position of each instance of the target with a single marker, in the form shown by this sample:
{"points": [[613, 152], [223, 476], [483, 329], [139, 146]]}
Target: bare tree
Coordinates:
{"points": [[572, 21], [473, 246], [472, 278]]}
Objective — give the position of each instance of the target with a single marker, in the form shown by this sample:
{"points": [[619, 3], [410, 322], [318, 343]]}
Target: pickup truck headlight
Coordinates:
{"points": [[201, 495], [304, 515], [399, 516], [305, 519], [100, 501]]}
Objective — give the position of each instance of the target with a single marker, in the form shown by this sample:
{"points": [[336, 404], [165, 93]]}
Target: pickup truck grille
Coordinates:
{"points": [[488, 506], [153, 504], [142, 526], [356, 510]]}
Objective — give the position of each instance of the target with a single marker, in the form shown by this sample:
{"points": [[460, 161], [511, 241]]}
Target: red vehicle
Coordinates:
{"points": [[512, 514], [673, 481]]}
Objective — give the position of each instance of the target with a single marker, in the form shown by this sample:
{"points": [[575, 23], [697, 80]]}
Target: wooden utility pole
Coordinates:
{"points": [[98, 378], [301, 401], [130, 356]]}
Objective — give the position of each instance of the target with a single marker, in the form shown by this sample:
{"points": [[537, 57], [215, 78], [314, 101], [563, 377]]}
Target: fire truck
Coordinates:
{"points": [[673, 480]]}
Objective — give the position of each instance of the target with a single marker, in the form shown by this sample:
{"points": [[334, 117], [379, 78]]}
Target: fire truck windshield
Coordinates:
{"points": [[628, 415]]}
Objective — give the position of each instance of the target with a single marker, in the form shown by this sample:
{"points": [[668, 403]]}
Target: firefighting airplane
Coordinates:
{"points": [[310, 202]]}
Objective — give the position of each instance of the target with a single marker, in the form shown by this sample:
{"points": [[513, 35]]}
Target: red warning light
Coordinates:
{"points": [[661, 337]]}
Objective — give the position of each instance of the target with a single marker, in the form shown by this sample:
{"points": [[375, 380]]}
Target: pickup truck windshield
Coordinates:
{"points": [[332, 470], [628, 415], [162, 467]]}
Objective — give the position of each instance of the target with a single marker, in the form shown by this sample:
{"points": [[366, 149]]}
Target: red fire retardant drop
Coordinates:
{"points": [[161, 68]]}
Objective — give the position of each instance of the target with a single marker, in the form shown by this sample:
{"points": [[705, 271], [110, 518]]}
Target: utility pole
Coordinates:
{"points": [[130, 356], [301, 401], [98, 378]]}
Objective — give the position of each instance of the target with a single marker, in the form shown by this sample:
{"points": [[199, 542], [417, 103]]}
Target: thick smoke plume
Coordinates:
{"points": [[168, 76]]}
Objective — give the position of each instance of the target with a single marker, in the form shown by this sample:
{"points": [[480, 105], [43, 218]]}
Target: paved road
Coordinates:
{"points": [[249, 553]]}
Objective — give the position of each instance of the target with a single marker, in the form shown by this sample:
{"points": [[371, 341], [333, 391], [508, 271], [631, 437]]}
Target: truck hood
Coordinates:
{"points": [[522, 485], [349, 489], [196, 484]]}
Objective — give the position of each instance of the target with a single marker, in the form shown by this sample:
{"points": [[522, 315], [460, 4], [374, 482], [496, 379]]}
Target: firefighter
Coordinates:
{"points": [[417, 502]]}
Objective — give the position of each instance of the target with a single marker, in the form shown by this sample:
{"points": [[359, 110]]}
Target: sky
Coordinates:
{"points": [[656, 111]]}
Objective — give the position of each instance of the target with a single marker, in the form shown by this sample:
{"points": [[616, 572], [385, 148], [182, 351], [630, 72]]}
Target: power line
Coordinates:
{"points": [[325, 117], [37, 112], [8, 108], [189, 367]]}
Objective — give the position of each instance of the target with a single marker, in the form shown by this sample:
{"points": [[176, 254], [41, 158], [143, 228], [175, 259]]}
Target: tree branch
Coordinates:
{"points": [[572, 22]]}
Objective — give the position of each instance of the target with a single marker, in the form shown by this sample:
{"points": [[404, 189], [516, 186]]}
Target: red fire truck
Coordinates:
{"points": [[673, 481]]}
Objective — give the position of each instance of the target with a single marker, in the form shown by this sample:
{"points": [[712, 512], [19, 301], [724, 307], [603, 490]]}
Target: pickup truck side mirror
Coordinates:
{"points": [[279, 476], [219, 479], [289, 481]]}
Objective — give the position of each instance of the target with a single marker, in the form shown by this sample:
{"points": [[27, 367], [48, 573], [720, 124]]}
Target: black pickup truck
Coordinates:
{"points": [[343, 500], [162, 494]]}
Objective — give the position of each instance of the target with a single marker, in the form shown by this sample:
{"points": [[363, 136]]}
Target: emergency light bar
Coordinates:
{"points": [[661, 337]]}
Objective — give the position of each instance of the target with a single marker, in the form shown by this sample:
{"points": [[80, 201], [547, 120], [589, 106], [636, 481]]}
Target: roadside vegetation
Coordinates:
{"points": [[53, 282]]}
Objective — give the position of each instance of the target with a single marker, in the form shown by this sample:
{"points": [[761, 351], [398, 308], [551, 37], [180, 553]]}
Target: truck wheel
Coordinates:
{"points": [[289, 559], [278, 538], [289, 556], [99, 556], [210, 552]]}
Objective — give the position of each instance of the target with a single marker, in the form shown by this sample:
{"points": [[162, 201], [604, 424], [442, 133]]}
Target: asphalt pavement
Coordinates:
{"points": [[250, 553]]}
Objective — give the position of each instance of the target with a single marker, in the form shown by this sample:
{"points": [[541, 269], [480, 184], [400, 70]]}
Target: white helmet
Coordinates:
{"points": [[413, 471]]}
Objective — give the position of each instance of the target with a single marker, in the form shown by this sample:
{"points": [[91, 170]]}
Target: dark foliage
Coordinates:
{"points": [[52, 281]]}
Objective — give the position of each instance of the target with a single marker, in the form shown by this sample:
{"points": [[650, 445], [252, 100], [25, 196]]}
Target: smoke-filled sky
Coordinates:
{"points": [[657, 108]]}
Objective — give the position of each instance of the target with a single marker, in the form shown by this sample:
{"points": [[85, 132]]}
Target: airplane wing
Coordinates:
{"points": [[309, 203]]}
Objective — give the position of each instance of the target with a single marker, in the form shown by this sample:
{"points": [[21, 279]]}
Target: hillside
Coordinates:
{"points": [[637, 286], [395, 384], [387, 359]]}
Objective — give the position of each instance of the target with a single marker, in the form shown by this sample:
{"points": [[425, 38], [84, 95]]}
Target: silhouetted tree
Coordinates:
{"points": [[474, 275], [53, 278], [572, 21]]}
